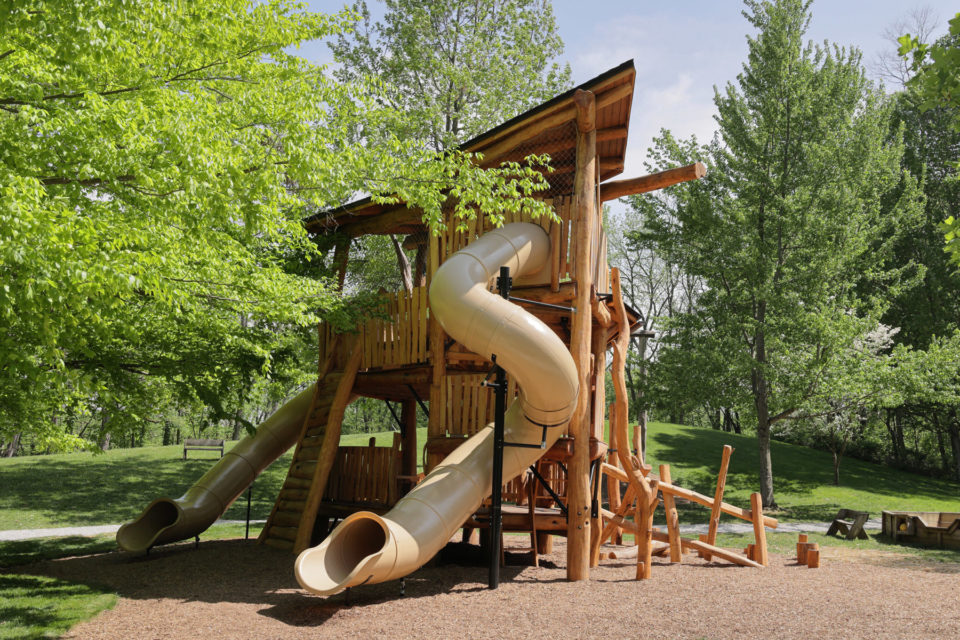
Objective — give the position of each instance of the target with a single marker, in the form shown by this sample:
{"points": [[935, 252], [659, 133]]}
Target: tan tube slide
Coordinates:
{"points": [[168, 520], [366, 548]]}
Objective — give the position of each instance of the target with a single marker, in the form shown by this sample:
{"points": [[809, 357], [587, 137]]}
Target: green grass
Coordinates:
{"points": [[77, 489], [42, 607], [85, 489], [803, 478], [36, 606]]}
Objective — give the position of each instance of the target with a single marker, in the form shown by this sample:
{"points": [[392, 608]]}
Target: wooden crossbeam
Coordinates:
{"points": [[652, 182], [729, 509]]}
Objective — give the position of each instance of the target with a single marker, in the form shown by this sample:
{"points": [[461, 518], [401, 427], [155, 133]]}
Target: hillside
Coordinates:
{"points": [[86, 489]]}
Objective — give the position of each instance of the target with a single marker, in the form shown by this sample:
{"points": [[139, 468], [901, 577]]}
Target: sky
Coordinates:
{"points": [[682, 50]]}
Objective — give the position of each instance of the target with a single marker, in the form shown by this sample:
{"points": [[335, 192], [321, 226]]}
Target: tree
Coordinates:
{"points": [[937, 84], [155, 162], [456, 67], [794, 221]]}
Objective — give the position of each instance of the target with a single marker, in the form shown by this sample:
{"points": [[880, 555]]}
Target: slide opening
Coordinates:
{"points": [[358, 539], [140, 534]]}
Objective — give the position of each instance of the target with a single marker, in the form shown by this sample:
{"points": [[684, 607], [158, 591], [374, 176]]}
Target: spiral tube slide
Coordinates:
{"points": [[167, 520], [366, 548]]}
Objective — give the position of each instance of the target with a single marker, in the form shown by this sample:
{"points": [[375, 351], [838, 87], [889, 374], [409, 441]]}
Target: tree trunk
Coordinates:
{"points": [[836, 469], [403, 263], [166, 432], [760, 396], [105, 443], [11, 449], [954, 429]]}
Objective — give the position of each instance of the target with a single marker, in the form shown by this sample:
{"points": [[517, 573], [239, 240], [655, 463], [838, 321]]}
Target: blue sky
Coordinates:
{"points": [[683, 49]]}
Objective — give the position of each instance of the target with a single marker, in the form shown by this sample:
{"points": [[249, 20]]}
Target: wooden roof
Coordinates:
{"points": [[547, 128]]}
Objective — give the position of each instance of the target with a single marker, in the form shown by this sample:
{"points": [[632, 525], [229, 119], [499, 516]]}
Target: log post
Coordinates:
{"points": [[759, 533], [673, 521], [408, 417], [718, 496], [341, 254], [435, 423], [613, 484], [578, 482], [801, 540]]}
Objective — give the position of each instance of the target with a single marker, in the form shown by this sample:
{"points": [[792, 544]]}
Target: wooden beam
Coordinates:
{"points": [[718, 495], [729, 509], [616, 94], [331, 442], [673, 522], [759, 533], [381, 223], [652, 182], [611, 133], [495, 152], [703, 547], [578, 480]]}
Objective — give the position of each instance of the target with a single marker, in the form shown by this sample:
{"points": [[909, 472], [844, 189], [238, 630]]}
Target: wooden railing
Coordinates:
{"points": [[562, 237], [397, 336]]}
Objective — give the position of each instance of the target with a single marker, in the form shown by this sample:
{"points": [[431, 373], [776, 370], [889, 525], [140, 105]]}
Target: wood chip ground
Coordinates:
{"points": [[237, 589]]}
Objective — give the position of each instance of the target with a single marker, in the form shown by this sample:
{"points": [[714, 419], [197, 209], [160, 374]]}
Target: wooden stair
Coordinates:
{"points": [[291, 521]]}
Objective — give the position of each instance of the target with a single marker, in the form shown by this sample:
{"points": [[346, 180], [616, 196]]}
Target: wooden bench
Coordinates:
{"points": [[849, 523], [202, 444]]}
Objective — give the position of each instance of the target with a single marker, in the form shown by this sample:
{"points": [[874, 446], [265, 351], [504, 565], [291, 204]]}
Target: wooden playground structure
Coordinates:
{"points": [[404, 357]]}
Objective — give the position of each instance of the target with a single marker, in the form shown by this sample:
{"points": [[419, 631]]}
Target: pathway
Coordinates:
{"points": [[732, 527]]}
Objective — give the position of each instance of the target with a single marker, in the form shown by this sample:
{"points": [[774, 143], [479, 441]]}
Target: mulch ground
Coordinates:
{"points": [[237, 589]]}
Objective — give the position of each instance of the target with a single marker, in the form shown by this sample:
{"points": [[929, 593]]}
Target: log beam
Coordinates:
{"points": [[652, 182], [729, 509], [578, 481]]}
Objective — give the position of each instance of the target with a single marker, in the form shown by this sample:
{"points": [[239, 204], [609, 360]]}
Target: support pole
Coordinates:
{"points": [[585, 196], [500, 409]]}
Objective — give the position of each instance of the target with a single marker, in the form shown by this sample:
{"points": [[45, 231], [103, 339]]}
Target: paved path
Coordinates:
{"points": [[62, 532], [789, 527]]}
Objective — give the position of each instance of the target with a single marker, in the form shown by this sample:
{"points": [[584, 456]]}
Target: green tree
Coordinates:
{"points": [[156, 159], [936, 84], [456, 67], [796, 219]]}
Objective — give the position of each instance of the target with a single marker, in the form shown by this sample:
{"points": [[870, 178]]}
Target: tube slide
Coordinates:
{"points": [[367, 548], [167, 520]]}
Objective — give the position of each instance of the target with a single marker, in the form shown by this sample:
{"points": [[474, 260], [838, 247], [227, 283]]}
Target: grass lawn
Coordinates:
{"points": [[803, 478], [35, 606], [76, 489], [110, 488]]}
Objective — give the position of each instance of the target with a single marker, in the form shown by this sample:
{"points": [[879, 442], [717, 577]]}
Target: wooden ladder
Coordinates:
{"points": [[291, 522]]}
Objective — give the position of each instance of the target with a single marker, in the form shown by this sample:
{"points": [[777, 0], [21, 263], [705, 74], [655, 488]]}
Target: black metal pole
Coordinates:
{"points": [[246, 536], [500, 402]]}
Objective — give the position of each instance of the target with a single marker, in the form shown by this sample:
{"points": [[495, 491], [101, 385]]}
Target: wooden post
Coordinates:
{"points": [[673, 521], [435, 423], [718, 497], [599, 352], [801, 540], [613, 484], [409, 449], [759, 533], [341, 253], [813, 556], [578, 481]]}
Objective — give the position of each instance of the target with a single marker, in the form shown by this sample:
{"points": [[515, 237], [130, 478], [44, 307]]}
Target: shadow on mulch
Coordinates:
{"points": [[241, 571]]}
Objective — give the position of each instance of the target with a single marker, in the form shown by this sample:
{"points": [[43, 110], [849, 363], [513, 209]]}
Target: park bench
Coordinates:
{"points": [[849, 523], [202, 444]]}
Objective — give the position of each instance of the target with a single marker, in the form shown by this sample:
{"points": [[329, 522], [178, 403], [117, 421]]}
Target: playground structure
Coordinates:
{"points": [[434, 346], [926, 528]]}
